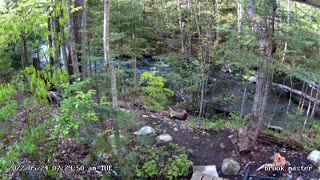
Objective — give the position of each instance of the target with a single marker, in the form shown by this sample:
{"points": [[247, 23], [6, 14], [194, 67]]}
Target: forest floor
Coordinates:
{"points": [[205, 147], [211, 147]]}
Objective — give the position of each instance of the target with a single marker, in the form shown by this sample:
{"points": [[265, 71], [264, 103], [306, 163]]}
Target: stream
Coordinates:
{"points": [[228, 95]]}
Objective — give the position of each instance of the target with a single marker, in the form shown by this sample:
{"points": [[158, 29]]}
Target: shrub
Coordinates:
{"points": [[179, 167], [76, 109], [154, 94]]}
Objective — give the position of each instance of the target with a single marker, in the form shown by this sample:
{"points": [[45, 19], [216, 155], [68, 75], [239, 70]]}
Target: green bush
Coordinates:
{"points": [[154, 94], [179, 167], [162, 161], [235, 121], [75, 110]]}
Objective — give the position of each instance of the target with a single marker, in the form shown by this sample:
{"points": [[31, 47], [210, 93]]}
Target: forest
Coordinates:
{"points": [[159, 89]]}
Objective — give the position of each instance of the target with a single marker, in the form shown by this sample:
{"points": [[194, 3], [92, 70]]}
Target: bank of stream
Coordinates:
{"points": [[225, 92]]}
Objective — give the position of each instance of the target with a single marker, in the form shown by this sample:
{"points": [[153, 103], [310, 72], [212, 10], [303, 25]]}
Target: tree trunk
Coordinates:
{"points": [[288, 26], [24, 50], [300, 93], [134, 65], [283, 142], [239, 12], [73, 53], [181, 27], [55, 41], [51, 61], [264, 30], [107, 55], [84, 37], [63, 44], [315, 104], [303, 92], [243, 98], [36, 60]]}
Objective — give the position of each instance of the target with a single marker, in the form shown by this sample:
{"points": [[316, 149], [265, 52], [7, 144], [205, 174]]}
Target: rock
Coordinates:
{"points": [[233, 139], [175, 129], [124, 110], [164, 138], [145, 116], [145, 131], [230, 167], [314, 158], [154, 116], [112, 139], [252, 79], [210, 170], [180, 114]]}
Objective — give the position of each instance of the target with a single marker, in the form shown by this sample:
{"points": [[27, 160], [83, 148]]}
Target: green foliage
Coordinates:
{"points": [[311, 140], [179, 167], [161, 161], [149, 169], [296, 120], [223, 100], [154, 93], [235, 121], [41, 81], [76, 109], [315, 126]]}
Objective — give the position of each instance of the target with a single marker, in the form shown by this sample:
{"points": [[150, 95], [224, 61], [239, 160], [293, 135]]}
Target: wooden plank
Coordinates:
{"points": [[207, 177], [197, 175]]}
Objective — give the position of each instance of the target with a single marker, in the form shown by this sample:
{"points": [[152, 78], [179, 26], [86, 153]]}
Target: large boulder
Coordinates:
{"points": [[314, 158], [230, 167], [164, 138], [145, 131]]}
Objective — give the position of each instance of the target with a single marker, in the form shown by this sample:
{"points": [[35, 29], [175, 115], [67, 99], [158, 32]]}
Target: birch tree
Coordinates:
{"points": [[107, 55]]}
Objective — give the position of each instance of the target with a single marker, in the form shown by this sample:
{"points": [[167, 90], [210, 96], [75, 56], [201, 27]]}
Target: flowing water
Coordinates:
{"points": [[228, 95]]}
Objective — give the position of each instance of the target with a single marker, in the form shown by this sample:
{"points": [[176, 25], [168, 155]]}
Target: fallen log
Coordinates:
{"points": [[264, 138], [294, 91], [180, 115]]}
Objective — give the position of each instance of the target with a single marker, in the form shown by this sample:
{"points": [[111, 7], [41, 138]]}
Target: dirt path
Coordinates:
{"points": [[210, 147]]}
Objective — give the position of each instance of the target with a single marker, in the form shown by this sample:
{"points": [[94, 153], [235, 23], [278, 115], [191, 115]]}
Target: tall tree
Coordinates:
{"points": [[72, 41], [84, 37], [107, 54], [264, 28]]}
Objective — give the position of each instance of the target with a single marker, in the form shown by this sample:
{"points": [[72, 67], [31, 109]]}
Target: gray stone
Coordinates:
{"points": [[230, 167], [124, 110], [314, 158], [210, 170], [252, 79], [145, 131], [112, 139], [164, 138]]}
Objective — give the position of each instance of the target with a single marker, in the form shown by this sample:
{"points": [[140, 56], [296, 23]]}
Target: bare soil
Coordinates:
{"points": [[211, 147]]}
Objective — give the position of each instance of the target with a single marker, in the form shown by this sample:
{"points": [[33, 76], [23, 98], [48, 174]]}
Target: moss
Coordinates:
{"points": [[231, 169]]}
